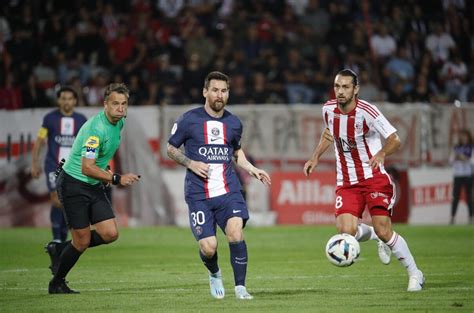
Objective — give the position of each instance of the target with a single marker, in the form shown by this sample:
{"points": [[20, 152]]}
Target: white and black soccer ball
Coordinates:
{"points": [[342, 250]]}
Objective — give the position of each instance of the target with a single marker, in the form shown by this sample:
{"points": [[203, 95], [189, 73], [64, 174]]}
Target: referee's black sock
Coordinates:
{"points": [[60, 246], [68, 258], [96, 240]]}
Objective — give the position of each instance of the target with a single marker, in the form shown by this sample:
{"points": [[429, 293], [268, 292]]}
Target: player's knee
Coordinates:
{"points": [[384, 232], [81, 243], [347, 229], [208, 251], [110, 235], [208, 247]]}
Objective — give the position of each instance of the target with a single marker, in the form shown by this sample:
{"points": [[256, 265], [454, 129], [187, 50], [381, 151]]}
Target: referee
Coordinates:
{"points": [[80, 185]]}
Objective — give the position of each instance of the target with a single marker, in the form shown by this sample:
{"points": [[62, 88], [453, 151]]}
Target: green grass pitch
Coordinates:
{"points": [[159, 270]]}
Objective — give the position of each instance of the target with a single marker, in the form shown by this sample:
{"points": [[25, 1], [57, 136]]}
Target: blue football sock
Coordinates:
{"points": [[211, 263], [57, 222], [238, 259]]}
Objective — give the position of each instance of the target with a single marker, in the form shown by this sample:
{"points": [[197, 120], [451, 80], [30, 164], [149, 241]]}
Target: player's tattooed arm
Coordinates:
{"points": [[199, 168], [178, 156]]}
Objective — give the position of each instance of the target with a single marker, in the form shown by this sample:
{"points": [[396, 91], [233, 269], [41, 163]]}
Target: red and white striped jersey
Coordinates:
{"points": [[356, 139]]}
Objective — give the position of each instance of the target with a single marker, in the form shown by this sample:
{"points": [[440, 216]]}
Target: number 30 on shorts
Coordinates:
{"points": [[338, 202], [198, 218]]}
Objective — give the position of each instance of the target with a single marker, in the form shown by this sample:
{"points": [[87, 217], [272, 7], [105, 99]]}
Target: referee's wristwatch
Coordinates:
{"points": [[116, 178]]}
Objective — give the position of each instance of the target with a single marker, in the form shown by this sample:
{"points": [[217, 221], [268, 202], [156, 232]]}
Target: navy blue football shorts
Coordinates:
{"points": [[205, 214], [50, 177]]}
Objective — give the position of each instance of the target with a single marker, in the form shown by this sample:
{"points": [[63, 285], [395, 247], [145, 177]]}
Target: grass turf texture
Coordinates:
{"points": [[159, 270]]}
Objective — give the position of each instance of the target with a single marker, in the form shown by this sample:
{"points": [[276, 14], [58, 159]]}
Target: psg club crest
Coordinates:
{"points": [[215, 131], [198, 230]]}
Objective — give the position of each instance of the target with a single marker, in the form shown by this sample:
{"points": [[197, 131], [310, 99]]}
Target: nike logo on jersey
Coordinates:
{"points": [[236, 211], [214, 139]]}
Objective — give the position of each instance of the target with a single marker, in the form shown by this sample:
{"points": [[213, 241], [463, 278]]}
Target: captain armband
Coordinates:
{"points": [[42, 132]]}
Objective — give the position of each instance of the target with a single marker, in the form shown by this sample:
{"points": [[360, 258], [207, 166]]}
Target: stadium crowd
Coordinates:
{"points": [[275, 51]]}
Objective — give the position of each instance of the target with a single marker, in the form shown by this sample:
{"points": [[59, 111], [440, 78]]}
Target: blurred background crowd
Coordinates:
{"points": [[275, 51]]}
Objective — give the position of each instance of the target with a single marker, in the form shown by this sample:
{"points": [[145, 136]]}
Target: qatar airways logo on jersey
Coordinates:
{"points": [[64, 140], [213, 153]]}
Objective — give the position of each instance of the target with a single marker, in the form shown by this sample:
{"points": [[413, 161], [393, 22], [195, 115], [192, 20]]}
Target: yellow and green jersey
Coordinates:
{"points": [[97, 139]]}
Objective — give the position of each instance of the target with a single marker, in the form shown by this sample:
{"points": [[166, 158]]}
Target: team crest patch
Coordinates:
{"points": [[198, 230], [215, 131], [92, 142]]}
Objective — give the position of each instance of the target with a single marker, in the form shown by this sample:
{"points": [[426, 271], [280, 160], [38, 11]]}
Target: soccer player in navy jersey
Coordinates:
{"points": [[58, 131], [211, 137]]}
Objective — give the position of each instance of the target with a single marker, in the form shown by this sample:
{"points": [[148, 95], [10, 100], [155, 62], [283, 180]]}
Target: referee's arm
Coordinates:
{"points": [[90, 169]]}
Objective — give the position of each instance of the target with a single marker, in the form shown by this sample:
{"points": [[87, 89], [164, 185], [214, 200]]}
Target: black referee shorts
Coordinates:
{"points": [[83, 204]]}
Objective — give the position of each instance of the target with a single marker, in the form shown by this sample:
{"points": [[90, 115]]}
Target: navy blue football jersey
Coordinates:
{"points": [[212, 141], [61, 132]]}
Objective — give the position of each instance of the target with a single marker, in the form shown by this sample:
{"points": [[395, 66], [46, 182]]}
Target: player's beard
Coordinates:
{"points": [[217, 105], [343, 103]]}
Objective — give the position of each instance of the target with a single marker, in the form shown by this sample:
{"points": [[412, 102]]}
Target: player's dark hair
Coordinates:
{"points": [[217, 76], [466, 132], [118, 88], [351, 73], [66, 89]]}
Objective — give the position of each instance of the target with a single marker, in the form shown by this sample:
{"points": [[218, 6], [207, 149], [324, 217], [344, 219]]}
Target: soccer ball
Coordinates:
{"points": [[342, 249]]}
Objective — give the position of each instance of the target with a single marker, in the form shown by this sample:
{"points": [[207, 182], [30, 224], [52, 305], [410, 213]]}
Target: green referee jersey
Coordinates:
{"points": [[97, 139]]}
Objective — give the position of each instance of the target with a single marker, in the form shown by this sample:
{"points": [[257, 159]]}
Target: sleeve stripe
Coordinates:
{"points": [[368, 109]]}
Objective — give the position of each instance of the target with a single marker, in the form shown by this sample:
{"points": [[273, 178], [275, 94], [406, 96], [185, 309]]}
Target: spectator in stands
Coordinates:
{"points": [[130, 38], [396, 93], [258, 93], [400, 70], [462, 159], [323, 68], [239, 89], [439, 43], [10, 94], [414, 46], [199, 43], [369, 91], [417, 22], [194, 75], [382, 43], [138, 95], [317, 17], [170, 9], [296, 79], [454, 76], [422, 92], [32, 95]]}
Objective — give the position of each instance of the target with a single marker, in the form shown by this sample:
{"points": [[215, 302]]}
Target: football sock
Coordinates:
{"points": [[238, 259], [96, 240], [68, 258], [402, 252], [56, 217], [365, 232], [210, 263], [61, 245], [64, 228]]}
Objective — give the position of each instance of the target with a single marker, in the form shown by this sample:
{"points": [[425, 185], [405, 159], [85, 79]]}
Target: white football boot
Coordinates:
{"points": [[416, 281], [216, 286], [241, 293], [384, 252]]}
